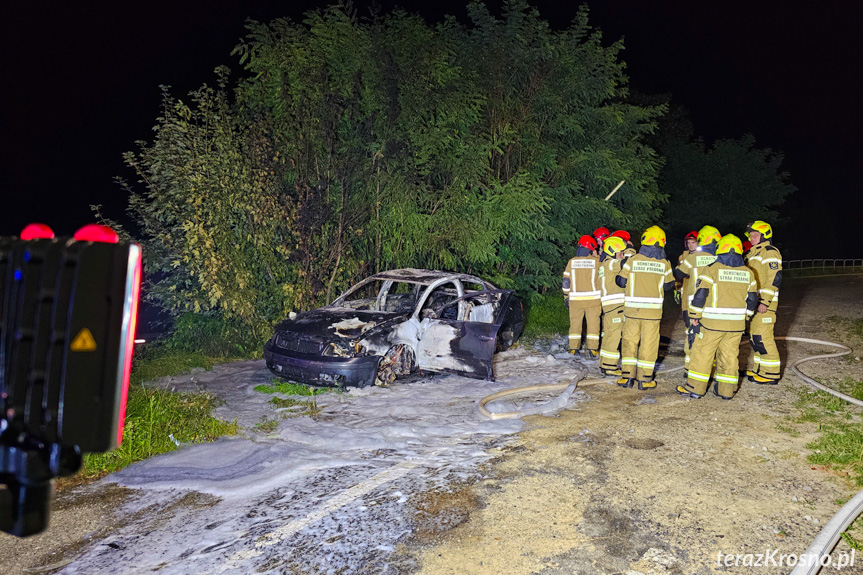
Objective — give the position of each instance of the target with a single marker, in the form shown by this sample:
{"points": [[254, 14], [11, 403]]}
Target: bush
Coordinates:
{"points": [[546, 316], [214, 336]]}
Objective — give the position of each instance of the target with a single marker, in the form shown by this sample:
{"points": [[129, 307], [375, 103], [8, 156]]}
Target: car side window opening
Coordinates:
{"points": [[364, 297], [400, 297], [438, 296], [481, 307]]}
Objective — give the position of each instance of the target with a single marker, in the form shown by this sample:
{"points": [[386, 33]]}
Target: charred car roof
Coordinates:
{"points": [[426, 277]]}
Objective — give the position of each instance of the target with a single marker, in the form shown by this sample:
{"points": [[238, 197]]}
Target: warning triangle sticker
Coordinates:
{"points": [[83, 341]]}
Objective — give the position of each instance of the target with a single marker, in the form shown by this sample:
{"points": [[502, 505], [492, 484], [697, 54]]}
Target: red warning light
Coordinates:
{"points": [[130, 321], [37, 232], [97, 233]]}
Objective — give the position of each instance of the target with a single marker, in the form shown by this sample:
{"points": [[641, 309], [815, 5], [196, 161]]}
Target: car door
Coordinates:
{"points": [[460, 337]]}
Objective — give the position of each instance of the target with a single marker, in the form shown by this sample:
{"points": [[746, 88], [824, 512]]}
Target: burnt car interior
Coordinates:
{"points": [[479, 307], [440, 302], [382, 295]]}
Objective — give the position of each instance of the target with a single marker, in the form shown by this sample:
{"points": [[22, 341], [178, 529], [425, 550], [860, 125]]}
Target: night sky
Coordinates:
{"points": [[81, 85]]}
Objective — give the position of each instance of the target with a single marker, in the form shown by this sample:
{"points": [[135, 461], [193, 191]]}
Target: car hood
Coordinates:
{"points": [[333, 323]]}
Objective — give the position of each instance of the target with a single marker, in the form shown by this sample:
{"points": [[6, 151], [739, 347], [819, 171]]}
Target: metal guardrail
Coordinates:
{"points": [[823, 264]]}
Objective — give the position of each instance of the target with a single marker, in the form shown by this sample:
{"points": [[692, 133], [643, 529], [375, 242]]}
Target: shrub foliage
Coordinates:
{"points": [[353, 145]]}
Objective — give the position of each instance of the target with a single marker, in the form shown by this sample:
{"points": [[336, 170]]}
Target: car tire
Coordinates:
{"points": [[399, 360], [505, 338]]}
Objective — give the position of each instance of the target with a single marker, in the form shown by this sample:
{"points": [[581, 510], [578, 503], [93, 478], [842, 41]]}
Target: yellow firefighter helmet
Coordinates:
{"points": [[613, 245], [762, 228], [708, 234], [729, 243], [653, 235]]}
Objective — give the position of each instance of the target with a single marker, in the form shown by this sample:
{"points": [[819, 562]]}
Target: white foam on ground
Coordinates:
{"points": [[319, 495]]}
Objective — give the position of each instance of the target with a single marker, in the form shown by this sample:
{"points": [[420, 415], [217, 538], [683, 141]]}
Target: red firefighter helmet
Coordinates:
{"points": [[622, 234], [601, 233], [587, 242]]}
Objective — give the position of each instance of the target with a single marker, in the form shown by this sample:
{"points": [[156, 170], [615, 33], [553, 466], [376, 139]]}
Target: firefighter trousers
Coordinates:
{"points": [[767, 362], [725, 347], [639, 348], [687, 346], [612, 330], [578, 313]]}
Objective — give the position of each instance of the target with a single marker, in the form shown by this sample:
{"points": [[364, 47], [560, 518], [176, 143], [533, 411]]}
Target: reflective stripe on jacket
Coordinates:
{"points": [[583, 284], [645, 286], [721, 295], [612, 294], [691, 265], [766, 261]]}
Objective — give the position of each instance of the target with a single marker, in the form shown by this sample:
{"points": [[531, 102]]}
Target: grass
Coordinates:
{"points": [[839, 446], [854, 535], [158, 421], [546, 316], [267, 425], [291, 388], [840, 443]]}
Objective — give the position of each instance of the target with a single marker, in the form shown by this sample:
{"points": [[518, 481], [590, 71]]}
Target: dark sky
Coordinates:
{"points": [[81, 85]]}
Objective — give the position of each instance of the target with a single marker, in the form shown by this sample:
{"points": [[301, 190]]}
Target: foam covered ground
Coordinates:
{"points": [[333, 493]]}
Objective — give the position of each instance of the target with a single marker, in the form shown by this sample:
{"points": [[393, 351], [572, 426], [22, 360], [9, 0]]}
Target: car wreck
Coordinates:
{"points": [[394, 323]]}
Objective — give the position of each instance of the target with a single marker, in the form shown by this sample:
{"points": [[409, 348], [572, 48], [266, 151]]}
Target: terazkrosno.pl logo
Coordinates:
{"points": [[773, 558]]}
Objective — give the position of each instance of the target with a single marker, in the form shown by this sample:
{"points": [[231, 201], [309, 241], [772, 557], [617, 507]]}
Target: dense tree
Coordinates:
{"points": [[726, 185], [354, 146]]}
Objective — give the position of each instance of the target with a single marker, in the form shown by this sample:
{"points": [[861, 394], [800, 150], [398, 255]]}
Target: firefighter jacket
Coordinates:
{"points": [[766, 261], [726, 293], [581, 281], [645, 277], [612, 294], [691, 264]]}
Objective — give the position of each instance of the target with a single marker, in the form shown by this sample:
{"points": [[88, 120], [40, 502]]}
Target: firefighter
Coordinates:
{"points": [[624, 235], [645, 277], [726, 295], [690, 266], [600, 234], [612, 305], [766, 261], [690, 244], [582, 296]]}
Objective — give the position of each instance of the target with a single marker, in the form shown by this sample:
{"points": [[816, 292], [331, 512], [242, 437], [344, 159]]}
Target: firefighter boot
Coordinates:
{"points": [[717, 394], [611, 372], [687, 391], [626, 382], [645, 385], [755, 378]]}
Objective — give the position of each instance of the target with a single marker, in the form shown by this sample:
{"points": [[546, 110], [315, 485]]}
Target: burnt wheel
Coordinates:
{"points": [[399, 360]]}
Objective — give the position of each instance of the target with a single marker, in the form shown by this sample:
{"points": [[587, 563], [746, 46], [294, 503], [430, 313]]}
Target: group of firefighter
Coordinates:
{"points": [[721, 283]]}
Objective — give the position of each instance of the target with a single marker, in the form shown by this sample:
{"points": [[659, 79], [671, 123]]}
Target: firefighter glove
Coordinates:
{"points": [[692, 332]]}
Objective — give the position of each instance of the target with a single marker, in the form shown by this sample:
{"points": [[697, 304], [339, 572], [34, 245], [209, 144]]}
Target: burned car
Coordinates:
{"points": [[394, 323]]}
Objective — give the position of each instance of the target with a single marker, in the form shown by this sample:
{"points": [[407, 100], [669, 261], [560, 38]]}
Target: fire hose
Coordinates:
{"points": [[826, 539]]}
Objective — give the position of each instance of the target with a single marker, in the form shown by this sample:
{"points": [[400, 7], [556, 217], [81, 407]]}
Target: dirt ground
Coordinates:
{"points": [[633, 482], [629, 482]]}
